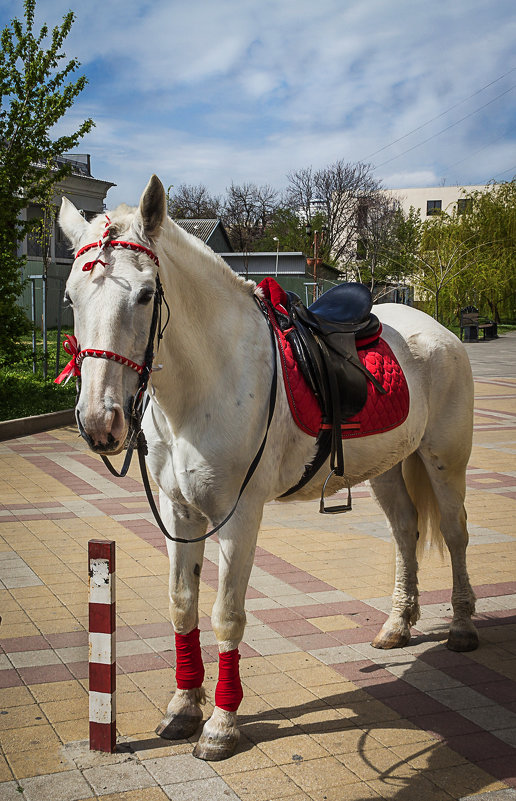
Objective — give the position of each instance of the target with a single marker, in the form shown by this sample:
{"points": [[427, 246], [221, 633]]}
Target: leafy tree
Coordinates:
{"points": [[446, 252], [388, 243], [490, 222], [34, 95], [287, 231]]}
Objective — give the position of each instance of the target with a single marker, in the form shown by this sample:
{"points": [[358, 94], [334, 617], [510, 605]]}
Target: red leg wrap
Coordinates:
{"points": [[189, 666], [228, 692]]}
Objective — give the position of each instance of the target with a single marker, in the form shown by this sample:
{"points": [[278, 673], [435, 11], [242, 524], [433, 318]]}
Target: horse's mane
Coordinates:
{"points": [[178, 240], [175, 240]]}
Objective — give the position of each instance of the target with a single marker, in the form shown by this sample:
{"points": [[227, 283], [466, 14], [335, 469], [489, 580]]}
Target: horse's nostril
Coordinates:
{"points": [[117, 422]]}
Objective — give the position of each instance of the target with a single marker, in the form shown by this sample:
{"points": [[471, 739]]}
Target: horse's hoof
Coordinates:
{"points": [[462, 640], [213, 749], [392, 638], [179, 727]]}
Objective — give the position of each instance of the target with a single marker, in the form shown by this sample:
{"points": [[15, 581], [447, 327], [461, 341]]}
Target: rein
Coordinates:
{"points": [[137, 437], [142, 452], [141, 446]]}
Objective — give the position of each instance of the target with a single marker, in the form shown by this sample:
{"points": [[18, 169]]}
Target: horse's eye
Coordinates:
{"points": [[145, 296], [67, 299]]}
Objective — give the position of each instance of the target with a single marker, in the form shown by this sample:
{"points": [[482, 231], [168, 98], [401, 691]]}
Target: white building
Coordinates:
{"points": [[88, 194], [433, 199]]}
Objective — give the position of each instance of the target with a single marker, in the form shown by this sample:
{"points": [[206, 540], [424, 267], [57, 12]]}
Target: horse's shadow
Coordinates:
{"points": [[430, 770], [431, 767]]}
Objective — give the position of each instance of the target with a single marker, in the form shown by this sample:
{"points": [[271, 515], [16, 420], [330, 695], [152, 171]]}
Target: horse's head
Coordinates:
{"points": [[111, 289]]}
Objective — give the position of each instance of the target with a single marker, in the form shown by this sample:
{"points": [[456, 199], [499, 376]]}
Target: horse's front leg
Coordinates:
{"points": [[237, 543], [184, 714]]}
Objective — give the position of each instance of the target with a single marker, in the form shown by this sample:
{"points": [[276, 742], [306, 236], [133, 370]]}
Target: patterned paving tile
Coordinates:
{"points": [[335, 691]]}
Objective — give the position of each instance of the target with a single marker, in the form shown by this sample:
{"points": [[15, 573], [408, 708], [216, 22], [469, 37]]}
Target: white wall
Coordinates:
{"points": [[418, 196]]}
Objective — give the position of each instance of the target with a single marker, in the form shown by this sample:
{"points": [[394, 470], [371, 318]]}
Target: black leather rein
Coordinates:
{"points": [[137, 437]]}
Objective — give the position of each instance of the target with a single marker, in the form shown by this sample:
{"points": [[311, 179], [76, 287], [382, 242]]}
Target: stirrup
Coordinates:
{"points": [[334, 510]]}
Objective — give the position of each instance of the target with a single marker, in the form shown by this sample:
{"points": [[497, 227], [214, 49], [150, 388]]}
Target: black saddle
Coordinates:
{"points": [[323, 338]]}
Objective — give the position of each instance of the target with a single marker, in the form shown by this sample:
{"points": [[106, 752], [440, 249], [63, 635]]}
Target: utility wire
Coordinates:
{"points": [[470, 155], [438, 116], [511, 169], [388, 161]]}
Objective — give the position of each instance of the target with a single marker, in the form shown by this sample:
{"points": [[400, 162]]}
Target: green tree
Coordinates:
{"points": [[35, 93], [490, 222], [447, 252], [288, 232], [388, 243]]}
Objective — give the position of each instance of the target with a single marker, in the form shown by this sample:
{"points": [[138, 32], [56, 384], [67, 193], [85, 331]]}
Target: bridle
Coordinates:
{"points": [[136, 436], [72, 347]]}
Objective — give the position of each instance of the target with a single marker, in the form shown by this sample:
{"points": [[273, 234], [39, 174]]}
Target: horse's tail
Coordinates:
{"points": [[423, 497]]}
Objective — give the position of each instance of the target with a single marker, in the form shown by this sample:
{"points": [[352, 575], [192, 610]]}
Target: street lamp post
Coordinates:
{"points": [[316, 244], [277, 253]]}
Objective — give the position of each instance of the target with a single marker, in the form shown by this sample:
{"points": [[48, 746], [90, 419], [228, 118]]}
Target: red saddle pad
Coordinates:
{"points": [[380, 413]]}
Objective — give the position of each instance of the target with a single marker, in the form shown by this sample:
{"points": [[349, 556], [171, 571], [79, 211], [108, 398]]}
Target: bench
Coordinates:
{"points": [[471, 324]]}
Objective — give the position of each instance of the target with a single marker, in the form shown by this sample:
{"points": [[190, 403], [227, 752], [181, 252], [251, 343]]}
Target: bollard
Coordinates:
{"points": [[102, 645]]}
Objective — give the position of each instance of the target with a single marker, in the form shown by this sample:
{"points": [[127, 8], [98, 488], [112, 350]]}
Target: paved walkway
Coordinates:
{"points": [[325, 716]]}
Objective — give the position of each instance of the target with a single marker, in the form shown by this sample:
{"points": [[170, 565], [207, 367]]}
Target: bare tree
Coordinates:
{"points": [[194, 202], [248, 211], [377, 233], [301, 193], [337, 191]]}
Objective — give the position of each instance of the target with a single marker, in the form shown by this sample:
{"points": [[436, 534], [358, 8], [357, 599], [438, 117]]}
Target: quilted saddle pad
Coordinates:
{"points": [[380, 413]]}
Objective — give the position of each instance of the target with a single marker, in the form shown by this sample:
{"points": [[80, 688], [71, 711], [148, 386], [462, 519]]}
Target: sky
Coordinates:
{"points": [[199, 91]]}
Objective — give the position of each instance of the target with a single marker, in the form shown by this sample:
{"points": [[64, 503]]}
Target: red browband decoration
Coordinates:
{"points": [[73, 368], [70, 345], [113, 243]]}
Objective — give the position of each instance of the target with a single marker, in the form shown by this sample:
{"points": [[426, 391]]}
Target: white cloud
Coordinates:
{"points": [[214, 92]]}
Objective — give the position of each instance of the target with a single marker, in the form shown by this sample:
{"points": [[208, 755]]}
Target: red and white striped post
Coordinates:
{"points": [[102, 645]]}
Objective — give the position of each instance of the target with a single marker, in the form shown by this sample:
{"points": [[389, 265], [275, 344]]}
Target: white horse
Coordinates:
{"points": [[206, 419]]}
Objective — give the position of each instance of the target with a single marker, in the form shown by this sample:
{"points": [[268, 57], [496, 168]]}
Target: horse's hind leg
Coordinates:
{"points": [[391, 493], [184, 714], [237, 543], [449, 484]]}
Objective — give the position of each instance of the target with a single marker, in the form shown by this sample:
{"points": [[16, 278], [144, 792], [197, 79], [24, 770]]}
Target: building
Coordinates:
{"points": [[88, 194], [211, 231], [434, 199], [292, 270]]}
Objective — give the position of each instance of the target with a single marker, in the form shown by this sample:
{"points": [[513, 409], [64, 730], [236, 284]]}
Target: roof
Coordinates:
{"points": [[203, 229], [270, 263], [210, 230]]}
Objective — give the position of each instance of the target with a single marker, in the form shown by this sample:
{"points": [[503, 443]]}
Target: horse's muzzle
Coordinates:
{"points": [[106, 433]]}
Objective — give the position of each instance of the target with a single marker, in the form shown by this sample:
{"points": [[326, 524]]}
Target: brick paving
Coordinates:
{"points": [[325, 716]]}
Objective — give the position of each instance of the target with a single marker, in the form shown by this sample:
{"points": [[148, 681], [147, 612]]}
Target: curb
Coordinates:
{"points": [[24, 426]]}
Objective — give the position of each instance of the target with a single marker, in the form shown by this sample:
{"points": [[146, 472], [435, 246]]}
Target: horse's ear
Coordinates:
{"points": [[72, 222], [153, 207]]}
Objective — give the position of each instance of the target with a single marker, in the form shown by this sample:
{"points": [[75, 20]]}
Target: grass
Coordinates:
{"points": [[24, 393]]}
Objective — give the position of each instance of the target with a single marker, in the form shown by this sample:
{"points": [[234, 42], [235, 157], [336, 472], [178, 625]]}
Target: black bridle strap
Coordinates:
{"points": [[137, 413], [142, 452]]}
